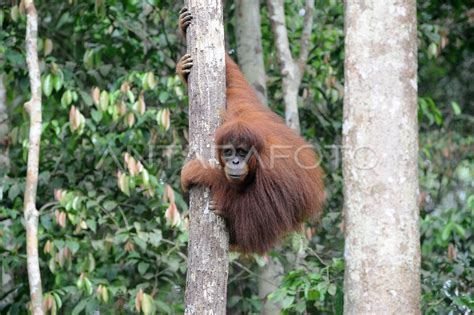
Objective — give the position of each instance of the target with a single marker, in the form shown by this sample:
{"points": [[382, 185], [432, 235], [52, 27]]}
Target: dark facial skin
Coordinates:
{"points": [[235, 159]]}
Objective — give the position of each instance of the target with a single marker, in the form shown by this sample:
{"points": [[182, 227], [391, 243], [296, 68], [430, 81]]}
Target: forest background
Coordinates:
{"points": [[113, 225]]}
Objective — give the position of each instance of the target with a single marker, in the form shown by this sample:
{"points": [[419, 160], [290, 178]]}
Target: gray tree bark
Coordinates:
{"points": [[380, 138], [206, 282], [249, 45], [291, 70], [268, 282], [33, 107]]}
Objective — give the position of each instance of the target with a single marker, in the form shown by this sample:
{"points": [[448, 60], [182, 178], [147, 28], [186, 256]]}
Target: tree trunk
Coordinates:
{"points": [[249, 45], [206, 283], [33, 107], [6, 283], [291, 70], [250, 53], [4, 130], [268, 282], [380, 139]]}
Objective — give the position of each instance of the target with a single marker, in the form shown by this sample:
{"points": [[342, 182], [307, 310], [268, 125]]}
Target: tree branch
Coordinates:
{"points": [[249, 45], [291, 71], [306, 34], [277, 17]]}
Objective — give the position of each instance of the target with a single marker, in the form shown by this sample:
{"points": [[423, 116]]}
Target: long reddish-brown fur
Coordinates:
{"points": [[285, 186]]}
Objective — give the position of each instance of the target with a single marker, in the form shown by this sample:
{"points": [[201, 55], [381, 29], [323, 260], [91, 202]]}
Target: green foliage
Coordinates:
{"points": [[112, 229], [446, 166], [447, 175], [317, 289], [110, 224]]}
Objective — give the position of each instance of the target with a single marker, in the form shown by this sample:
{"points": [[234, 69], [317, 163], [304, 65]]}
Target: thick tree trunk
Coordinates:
{"points": [[33, 107], [206, 283], [291, 70], [380, 134], [249, 45]]}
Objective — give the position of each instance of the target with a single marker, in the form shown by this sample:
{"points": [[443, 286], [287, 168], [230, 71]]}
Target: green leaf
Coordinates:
{"points": [[91, 224], [470, 202], [86, 98], [155, 238], [75, 97], [312, 295], [432, 50], [148, 305], [110, 205], [91, 265], [76, 203], [46, 222], [141, 243], [13, 192], [57, 82], [164, 95], [460, 230], [163, 307], [104, 101], [14, 13], [88, 59], [66, 99], [73, 246], [300, 308], [2, 16], [447, 231], [47, 85], [52, 265], [88, 286], [143, 267], [96, 115], [287, 301], [121, 238], [332, 289], [150, 78], [57, 298], [80, 307], [132, 182], [145, 82], [131, 96], [456, 108]]}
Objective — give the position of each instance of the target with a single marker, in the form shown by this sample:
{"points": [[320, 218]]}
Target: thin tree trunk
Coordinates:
{"points": [[33, 107], [380, 138], [206, 283], [250, 53], [4, 130], [292, 73], [6, 283], [268, 282], [291, 70], [249, 45]]}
